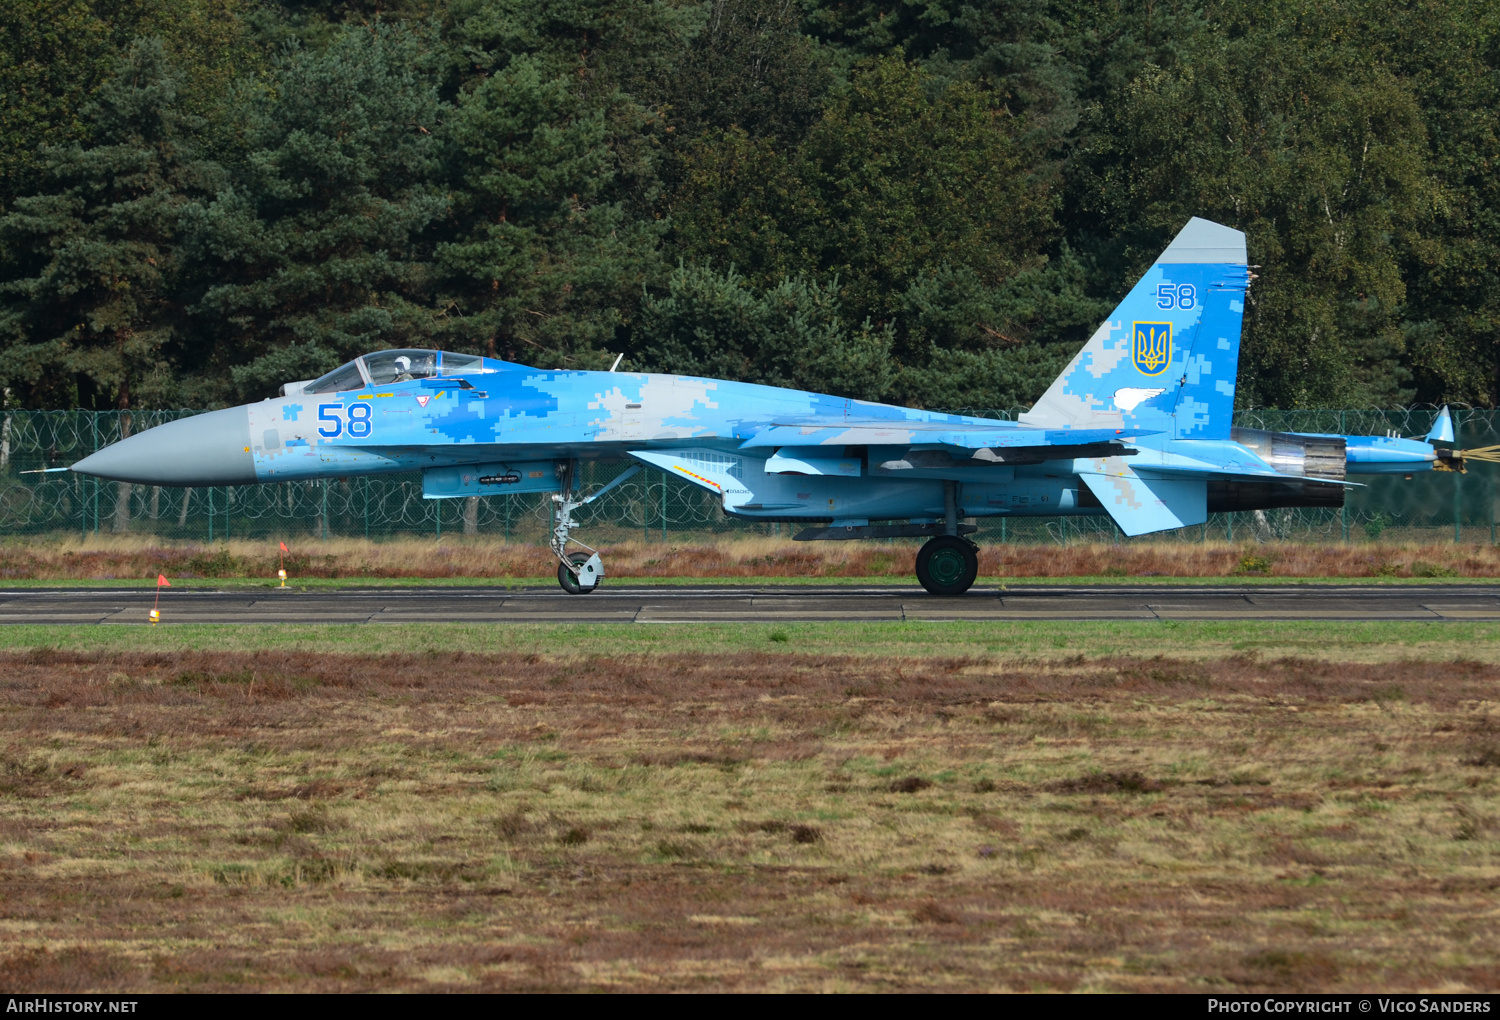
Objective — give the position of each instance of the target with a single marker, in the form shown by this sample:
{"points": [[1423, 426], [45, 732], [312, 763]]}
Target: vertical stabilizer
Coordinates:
{"points": [[1167, 357], [1442, 428]]}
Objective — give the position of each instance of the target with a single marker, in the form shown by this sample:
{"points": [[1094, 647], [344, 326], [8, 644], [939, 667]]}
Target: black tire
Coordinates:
{"points": [[947, 565], [565, 576]]}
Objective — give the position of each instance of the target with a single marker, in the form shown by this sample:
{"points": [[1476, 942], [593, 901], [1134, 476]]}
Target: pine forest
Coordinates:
{"points": [[925, 202]]}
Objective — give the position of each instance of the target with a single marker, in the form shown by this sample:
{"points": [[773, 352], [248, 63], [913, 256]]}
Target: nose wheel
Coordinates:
{"points": [[581, 574], [578, 572], [948, 565]]}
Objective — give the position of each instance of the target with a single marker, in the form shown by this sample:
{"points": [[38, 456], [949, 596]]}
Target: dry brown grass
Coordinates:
{"points": [[123, 557], [292, 820]]}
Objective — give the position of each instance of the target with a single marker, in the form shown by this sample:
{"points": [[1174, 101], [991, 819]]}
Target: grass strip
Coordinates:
{"points": [[749, 819], [894, 581], [1025, 641]]}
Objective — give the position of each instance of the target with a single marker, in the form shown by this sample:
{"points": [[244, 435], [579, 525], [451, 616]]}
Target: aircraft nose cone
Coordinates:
{"points": [[206, 449]]}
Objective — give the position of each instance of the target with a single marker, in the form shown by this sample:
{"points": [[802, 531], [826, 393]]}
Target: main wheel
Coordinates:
{"points": [[947, 565], [568, 581]]}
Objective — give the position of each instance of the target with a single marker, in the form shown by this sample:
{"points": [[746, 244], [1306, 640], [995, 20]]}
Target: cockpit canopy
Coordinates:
{"points": [[386, 367]]}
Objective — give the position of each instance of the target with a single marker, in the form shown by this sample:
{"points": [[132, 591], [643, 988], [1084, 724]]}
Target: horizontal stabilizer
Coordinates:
{"points": [[1141, 504]]}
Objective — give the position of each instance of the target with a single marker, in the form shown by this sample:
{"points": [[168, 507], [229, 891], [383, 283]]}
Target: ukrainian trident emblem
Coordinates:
{"points": [[1151, 347]]}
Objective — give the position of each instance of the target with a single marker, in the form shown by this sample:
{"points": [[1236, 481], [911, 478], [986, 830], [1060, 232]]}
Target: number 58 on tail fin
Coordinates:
{"points": [[1167, 356]]}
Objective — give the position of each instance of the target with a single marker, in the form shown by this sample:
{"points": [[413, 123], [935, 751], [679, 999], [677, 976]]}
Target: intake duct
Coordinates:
{"points": [[1309, 456]]}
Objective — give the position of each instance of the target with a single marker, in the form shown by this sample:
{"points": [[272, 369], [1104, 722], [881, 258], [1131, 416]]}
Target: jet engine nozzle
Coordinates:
{"points": [[206, 449]]}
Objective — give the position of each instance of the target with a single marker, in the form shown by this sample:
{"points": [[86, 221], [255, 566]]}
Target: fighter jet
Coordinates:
{"points": [[1137, 428]]}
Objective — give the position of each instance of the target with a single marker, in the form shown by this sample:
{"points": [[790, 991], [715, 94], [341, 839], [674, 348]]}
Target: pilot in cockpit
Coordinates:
{"points": [[403, 370]]}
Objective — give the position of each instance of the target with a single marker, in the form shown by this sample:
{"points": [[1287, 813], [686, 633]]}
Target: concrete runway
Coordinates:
{"points": [[621, 603]]}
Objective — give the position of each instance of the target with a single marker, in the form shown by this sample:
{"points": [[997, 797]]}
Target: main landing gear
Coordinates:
{"points": [[947, 565]]}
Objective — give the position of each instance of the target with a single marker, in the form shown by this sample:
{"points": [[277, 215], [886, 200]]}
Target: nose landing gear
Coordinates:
{"points": [[577, 572], [948, 565], [581, 573]]}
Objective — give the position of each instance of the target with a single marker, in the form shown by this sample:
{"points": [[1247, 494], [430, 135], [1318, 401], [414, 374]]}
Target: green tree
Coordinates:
{"points": [[317, 251], [1017, 49], [910, 192], [1448, 57], [90, 314], [547, 261], [55, 53], [752, 67], [1277, 124], [793, 334]]}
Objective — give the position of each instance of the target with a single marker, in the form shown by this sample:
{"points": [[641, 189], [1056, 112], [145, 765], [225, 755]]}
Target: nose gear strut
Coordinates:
{"points": [[577, 573]]}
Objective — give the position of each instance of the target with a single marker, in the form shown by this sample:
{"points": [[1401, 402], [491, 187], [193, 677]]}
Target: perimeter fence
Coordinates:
{"points": [[653, 507]]}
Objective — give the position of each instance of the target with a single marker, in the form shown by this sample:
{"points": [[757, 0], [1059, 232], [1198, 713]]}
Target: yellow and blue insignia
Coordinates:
{"points": [[1151, 347]]}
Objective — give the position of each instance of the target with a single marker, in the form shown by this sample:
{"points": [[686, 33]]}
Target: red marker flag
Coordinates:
{"points": [[284, 548], [161, 582]]}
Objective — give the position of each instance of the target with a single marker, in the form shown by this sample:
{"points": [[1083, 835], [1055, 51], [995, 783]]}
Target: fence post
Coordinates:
{"points": [[94, 429], [210, 514], [1458, 483], [366, 481], [323, 519], [1458, 503], [437, 506], [663, 507], [1344, 506]]}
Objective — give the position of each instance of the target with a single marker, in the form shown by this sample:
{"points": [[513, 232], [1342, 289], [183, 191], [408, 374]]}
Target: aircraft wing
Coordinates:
{"points": [[961, 435]]}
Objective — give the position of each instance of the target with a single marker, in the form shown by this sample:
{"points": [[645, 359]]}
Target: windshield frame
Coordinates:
{"points": [[318, 386]]}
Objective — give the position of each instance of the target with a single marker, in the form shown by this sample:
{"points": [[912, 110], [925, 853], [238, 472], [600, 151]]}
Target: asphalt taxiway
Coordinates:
{"points": [[622, 603]]}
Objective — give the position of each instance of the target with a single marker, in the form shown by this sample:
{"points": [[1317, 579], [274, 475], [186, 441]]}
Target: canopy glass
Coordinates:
{"points": [[386, 367]]}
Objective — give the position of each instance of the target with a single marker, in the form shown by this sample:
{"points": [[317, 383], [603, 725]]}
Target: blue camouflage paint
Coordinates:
{"points": [[1155, 381], [1197, 288]]}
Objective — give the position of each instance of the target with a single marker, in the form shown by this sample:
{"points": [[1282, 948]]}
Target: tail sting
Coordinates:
{"points": [[1167, 357]]}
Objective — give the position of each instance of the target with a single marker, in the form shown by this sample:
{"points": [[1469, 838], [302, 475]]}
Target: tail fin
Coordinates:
{"points": [[1167, 357], [1442, 428]]}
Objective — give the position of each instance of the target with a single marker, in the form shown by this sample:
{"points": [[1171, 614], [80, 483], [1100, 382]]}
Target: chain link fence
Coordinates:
{"points": [[653, 507]]}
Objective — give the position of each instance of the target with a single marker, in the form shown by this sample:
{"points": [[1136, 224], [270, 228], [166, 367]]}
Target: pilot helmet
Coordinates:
{"points": [[403, 364]]}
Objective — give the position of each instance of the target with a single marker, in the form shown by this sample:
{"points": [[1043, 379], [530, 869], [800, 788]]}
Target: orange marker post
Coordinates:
{"points": [[281, 572], [161, 582]]}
